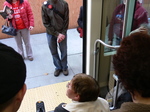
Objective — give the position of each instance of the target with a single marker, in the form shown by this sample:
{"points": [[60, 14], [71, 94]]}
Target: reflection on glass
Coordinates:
{"points": [[115, 25]]}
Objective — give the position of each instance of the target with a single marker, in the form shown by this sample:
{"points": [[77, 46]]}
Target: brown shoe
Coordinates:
{"points": [[30, 58], [65, 72], [57, 72]]}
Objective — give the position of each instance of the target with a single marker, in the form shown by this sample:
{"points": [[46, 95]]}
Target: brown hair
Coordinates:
{"points": [[86, 86], [132, 63]]}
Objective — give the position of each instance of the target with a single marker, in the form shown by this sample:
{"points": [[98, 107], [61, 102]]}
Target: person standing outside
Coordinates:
{"points": [[80, 22], [22, 19], [55, 17], [116, 23]]}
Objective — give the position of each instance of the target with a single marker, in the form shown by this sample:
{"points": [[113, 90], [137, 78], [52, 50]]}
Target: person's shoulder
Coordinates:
{"points": [[102, 101], [44, 4], [65, 2], [5, 3], [140, 8]]}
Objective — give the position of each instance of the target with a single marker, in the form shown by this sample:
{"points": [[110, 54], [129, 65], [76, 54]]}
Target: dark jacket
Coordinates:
{"points": [[53, 23], [10, 1], [80, 19], [116, 24], [59, 108], [133, 107]]}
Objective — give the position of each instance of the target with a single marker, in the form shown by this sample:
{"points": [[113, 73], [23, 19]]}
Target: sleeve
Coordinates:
{"points": [[59, 108], [46, 22], [143, 18], [66, 19], [29, 13], [80, 19]]}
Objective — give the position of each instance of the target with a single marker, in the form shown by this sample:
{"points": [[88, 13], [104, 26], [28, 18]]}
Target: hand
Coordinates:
{"points": [[31, 27], [141, 30], [110, 42], [10, 16], [60, 37]]}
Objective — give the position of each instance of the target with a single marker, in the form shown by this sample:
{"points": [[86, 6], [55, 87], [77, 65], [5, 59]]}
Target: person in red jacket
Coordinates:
{"points": [[22, 19], [116, 24]]}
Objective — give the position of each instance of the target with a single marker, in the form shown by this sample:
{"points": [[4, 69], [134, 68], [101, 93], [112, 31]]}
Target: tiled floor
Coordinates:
{"points": [[52, 95], [40, 71]]}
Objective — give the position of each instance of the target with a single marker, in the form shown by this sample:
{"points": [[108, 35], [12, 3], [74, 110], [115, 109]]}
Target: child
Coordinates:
{"points": [[84, 91]]}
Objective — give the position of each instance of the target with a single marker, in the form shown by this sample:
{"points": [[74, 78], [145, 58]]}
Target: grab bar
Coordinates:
{"points": [[97, 50]]}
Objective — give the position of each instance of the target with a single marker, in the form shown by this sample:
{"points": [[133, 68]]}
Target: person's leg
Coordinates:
{"points": [[118, 41], [52, 42], [18, 40], [63, 50], [26, 38]]}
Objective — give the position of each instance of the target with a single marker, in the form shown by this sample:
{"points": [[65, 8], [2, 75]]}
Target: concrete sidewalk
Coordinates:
{"points": [[40, 71]]}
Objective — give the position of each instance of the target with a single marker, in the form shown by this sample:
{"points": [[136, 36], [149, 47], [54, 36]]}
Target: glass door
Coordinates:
{"points": [[110, 21]]}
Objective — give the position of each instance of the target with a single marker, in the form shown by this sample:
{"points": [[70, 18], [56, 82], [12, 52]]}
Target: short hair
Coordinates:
{"points": [[86, 86], [13, 73], [132, 63]]}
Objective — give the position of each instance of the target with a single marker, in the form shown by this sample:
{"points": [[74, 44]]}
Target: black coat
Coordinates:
{"points": [[59, 108], [80, 18]]}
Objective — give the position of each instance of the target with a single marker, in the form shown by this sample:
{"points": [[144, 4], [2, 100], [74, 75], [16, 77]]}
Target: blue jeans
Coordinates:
{"points": [[118, 40], [59, 62]]}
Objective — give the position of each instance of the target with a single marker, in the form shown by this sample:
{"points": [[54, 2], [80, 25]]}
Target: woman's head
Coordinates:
{"points": [[84, 87], [132, 63]]}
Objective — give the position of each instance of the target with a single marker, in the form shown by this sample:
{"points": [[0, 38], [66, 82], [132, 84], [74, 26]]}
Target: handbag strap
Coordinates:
{"points": [[6, 22]]}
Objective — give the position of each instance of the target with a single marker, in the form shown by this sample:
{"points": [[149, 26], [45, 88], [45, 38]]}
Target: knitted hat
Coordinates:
{"points": [[12, 73]]}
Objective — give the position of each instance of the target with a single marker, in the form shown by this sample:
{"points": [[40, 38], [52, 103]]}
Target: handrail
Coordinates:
{"points": [[95, 52]]}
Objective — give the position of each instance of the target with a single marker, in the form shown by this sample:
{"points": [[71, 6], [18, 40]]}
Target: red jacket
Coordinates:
{"points": [[116, 24], [25, 13]]}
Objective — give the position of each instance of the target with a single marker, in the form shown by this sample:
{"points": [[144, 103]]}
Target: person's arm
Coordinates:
{"points": [[46, 22], [29, 15], [80, 19], [112, 22], [66, 19]]}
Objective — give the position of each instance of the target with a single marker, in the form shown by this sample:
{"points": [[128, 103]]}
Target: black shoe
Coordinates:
{"points": [[65, 72], [57, 72]]}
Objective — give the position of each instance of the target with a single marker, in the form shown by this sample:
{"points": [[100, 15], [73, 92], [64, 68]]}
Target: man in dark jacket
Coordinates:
{"points": [[55, 16]]}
